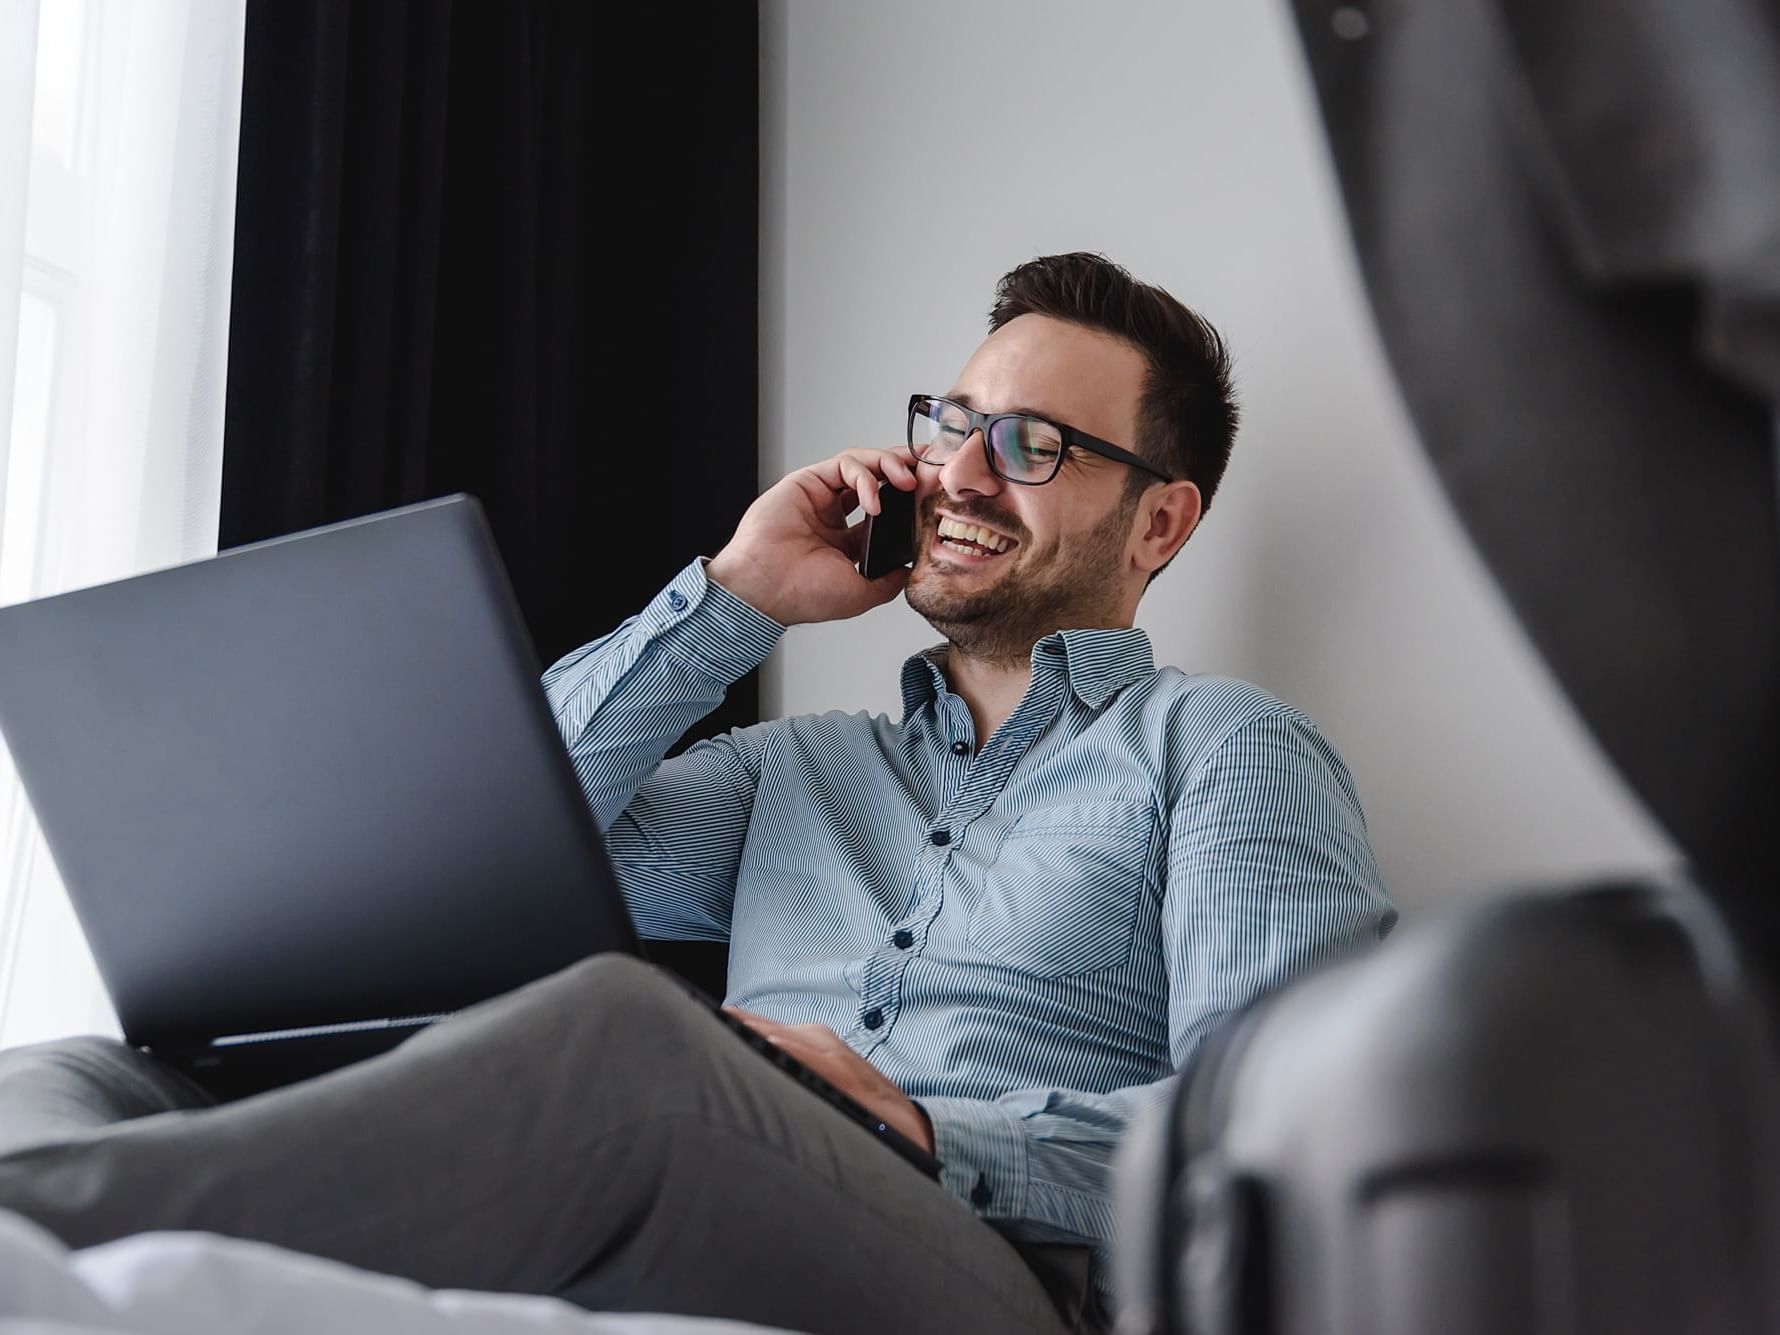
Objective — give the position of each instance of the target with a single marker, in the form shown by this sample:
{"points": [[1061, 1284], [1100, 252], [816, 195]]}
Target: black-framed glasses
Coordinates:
{"points": [[1023, 449]]}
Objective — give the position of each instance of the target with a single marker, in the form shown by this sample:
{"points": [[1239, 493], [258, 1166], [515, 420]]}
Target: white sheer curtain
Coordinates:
{"points": [[119, 123]]}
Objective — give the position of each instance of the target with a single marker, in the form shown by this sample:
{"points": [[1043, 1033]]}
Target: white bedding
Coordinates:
{"points": [[193, 1283]]}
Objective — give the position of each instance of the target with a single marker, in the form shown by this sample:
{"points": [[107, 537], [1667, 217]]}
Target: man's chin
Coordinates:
{"points": [[944, 607]]}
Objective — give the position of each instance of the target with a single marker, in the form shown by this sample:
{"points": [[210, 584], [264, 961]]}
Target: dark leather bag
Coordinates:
{"points": [[1557, 1114]]}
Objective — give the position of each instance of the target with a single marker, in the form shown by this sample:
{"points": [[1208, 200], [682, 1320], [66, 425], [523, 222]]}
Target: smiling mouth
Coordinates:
{"points": [[970, 539]]}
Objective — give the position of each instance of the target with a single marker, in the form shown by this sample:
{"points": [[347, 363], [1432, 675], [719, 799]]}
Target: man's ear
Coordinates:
{"points": [[1167, 517]]}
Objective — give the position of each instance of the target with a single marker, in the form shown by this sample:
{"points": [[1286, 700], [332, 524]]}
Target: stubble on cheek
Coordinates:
{"points": [[1072, 582]]}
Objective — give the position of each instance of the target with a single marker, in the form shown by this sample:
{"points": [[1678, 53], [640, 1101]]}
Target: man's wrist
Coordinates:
{"points": [[706, 627], [745, 580]]}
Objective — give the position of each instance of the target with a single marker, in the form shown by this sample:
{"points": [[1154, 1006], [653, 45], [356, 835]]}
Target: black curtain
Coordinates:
{"points": [[507, 247], [504, 248]]}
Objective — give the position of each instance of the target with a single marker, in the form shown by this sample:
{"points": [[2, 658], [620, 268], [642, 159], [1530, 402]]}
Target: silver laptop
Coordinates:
{"points": [[307, 788]]}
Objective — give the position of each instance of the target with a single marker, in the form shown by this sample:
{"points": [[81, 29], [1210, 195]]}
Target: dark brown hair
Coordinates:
{"points": [[1187, 418]]}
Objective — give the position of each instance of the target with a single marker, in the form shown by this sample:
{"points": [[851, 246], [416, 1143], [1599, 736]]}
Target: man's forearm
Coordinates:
{"points": [[621, 701]]}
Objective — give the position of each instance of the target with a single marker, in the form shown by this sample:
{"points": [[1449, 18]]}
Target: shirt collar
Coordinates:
{"points": [[1098, 664], [922, 679]]}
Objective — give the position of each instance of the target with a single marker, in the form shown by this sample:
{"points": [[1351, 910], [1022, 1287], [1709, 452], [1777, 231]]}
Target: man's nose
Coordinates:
{"points": [[967, 472]]}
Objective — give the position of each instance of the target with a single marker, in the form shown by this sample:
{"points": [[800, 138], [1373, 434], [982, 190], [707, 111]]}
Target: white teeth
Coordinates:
{"points": [[973, 533]]}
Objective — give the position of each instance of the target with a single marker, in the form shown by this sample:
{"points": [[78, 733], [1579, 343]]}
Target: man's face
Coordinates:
{"points": [[1065, 559]]}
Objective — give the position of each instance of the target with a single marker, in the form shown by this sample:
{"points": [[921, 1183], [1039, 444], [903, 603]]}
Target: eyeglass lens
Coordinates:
{"points": [[1021, 449]]}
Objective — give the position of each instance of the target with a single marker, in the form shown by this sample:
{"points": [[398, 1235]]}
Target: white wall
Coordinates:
{"points": [[913, 152]]}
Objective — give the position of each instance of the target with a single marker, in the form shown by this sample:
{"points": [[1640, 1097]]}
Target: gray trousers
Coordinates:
{"points": [[597, 1135]]}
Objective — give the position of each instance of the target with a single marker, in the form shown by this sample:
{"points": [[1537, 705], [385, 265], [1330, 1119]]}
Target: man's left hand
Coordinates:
{"points": [[827, 1054]]}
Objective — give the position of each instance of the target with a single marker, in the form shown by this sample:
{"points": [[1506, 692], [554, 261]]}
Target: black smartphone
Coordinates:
{"points": [[889, 536]]}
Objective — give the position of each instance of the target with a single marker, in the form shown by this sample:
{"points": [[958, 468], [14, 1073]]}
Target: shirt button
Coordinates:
{"points": [[677, 601], [873, 1018], [903, 939], [940, 837], [960, 748], [981, 1194]]}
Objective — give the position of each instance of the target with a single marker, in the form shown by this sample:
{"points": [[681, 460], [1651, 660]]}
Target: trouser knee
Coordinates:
{"points": [[609, 985], [605, 1016], [639, 1012]]}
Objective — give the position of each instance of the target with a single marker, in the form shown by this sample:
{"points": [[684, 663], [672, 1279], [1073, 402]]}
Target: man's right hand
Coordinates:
{"points": [[794, 557]]}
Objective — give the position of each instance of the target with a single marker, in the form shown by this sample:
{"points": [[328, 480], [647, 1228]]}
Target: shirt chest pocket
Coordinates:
{"points": [[1062, 895]]}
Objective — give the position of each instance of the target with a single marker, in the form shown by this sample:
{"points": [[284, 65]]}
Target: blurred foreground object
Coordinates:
{"points": [[1568, 219], [1556, 1115]]}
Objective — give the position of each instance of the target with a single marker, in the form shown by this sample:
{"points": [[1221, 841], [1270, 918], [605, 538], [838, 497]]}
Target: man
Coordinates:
{"points": [[1000, 922]]}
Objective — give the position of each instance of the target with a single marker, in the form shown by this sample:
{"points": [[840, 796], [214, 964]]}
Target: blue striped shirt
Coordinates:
{"points": [[1030, 937]]}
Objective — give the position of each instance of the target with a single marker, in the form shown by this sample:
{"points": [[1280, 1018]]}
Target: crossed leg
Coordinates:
{"points": [[597, 1134]]}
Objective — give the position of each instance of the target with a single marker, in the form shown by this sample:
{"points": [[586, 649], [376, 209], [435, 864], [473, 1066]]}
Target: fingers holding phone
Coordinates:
{"points": [[793, 554], [873, 474]]}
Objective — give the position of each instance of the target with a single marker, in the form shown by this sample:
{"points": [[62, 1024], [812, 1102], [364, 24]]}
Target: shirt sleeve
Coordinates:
{"points": [[673, 828], [1268, 871]]}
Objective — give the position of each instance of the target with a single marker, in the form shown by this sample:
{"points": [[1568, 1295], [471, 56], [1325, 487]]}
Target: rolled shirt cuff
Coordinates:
{"points": [[707, 627], [983, 1148]]}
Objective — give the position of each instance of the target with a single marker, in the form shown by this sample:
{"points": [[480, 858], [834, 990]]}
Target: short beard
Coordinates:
{"points": [[1000, 625]]}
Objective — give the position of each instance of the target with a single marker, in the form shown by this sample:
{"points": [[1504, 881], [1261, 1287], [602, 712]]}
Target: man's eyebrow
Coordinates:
{"points": [[966, 400]]}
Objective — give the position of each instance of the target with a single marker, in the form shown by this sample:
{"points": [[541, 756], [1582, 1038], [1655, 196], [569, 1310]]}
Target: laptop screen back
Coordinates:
{"points": [[309, 781]]}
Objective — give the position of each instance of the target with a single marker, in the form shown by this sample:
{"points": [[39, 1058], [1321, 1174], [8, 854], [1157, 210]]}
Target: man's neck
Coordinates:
{"points": [[991, 690]]}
